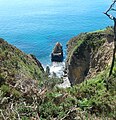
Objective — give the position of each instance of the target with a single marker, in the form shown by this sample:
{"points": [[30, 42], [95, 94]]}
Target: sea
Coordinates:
{"points": [[34, 26]]}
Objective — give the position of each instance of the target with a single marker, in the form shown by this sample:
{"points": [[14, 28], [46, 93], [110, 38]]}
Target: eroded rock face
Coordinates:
{"points": [[79, 65], [57, 54], [88, 54], [37, 62]]}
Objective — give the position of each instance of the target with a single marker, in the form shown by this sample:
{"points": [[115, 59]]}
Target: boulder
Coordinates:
{"points": [[57, 53]]}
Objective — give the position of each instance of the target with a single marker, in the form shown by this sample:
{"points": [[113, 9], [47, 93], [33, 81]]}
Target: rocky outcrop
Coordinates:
{"points": [[57, 53], [37, 62], [89, 54]]}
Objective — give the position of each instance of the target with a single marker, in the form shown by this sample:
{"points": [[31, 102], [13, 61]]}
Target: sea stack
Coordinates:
{"points": [[57, 53]]}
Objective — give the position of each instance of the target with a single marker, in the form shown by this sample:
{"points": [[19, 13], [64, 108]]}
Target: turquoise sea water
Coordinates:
{"points": [[35, 26]]}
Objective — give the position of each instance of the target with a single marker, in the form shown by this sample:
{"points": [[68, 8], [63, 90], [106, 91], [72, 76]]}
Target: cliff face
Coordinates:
{"points": [[17, 66], [22, 97], [89, 54]]}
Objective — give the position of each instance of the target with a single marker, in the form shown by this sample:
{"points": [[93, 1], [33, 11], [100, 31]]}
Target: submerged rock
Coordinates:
{"points": [[57, 53]]}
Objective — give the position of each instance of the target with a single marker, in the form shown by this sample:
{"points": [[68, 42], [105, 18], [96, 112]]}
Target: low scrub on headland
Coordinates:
{"points": [[87, 101], [27, 93]]}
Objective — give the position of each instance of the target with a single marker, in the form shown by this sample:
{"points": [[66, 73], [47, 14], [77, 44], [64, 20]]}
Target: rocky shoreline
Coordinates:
{"points": [[27, 92], [87, 55]]}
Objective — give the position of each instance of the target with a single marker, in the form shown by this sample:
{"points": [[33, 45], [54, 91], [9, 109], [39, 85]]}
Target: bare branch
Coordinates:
{"points": [[109, 9], [114, 49], [110, 16], [113, 9], [110, 6]]}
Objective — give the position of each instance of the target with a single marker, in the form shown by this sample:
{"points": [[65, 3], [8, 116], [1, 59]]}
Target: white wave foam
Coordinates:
{"points": [[57, 68], [65, 84]]}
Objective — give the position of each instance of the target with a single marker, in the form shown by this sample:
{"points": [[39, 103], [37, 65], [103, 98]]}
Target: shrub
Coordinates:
{"points": [[16, 93], [2, 80], [6, 90]]}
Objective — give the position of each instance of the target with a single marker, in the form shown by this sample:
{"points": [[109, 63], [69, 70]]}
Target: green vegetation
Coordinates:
{"points": [[88, 100], [26, 93], [16, 65], [90, 40], [90, 97]]}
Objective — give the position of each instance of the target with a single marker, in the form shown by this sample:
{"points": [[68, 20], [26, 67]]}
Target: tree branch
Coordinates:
{"points": [[113, 9], [110, 16], [110, 8], [114, 19]]}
